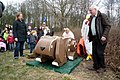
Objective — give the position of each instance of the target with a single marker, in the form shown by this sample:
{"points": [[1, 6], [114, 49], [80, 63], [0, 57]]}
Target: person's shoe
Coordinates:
{"points": [[101, 70], [92, 68], [22, 56], [16, 57]]}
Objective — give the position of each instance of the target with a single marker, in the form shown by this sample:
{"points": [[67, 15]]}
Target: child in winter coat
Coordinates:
{"points": [[10, 41], [5, 36], [33, 39]]}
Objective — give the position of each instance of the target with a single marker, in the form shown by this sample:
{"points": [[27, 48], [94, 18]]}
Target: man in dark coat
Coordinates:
{"points": [[2, 7], [20, 34], [98, 34]]}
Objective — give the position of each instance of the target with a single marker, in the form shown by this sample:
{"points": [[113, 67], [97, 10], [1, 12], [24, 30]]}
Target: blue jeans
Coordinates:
{"points": [[11, 46], [28, 45], [28, 42], [32, 46], [19, 48]]}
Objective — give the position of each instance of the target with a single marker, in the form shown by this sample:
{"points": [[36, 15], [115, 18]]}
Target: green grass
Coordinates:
{"points": [[12, 69]]}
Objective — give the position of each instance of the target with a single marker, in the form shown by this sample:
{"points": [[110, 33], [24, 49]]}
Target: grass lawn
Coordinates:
{"points": [[11, 69]]}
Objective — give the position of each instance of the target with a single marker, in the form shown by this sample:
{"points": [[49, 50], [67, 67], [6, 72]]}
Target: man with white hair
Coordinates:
{"points": [[98, 34]]}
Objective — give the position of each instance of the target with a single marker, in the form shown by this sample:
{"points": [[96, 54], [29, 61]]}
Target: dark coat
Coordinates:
{"points": [[40, 33], [20, 30], [51, 31], [102, 26], [33, 39]]}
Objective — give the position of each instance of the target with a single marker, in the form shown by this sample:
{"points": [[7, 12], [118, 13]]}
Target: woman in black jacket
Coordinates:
{"points": [[20, 34]]}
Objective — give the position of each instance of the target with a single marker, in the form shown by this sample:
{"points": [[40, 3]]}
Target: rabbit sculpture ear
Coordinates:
{"points": [[2, 7]]}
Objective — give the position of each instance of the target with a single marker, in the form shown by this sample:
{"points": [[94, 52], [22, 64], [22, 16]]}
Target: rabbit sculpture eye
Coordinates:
{"points": [[42, 48]]}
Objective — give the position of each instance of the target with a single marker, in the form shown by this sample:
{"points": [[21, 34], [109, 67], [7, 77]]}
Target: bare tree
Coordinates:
{"points": [[110, 8], [61, 9], [59, 13]]}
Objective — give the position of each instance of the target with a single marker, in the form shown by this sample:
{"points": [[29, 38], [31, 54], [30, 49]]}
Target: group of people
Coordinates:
{"points": [[7, 39], [33, 35], [14, 37], [95, 30], [22, 33]]}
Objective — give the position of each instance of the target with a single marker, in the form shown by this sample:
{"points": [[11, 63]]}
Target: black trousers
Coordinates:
{"points": [[98, 53]]}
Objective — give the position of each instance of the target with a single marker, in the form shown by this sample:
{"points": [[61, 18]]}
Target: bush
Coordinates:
{"points": [[113, 49]]}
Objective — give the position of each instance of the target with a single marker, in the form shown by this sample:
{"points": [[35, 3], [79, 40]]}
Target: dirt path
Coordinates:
{"points": [[82, 73]]}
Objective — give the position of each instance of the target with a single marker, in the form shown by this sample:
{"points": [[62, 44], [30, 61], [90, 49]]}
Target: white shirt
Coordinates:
{"points": [[93, 26]]}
